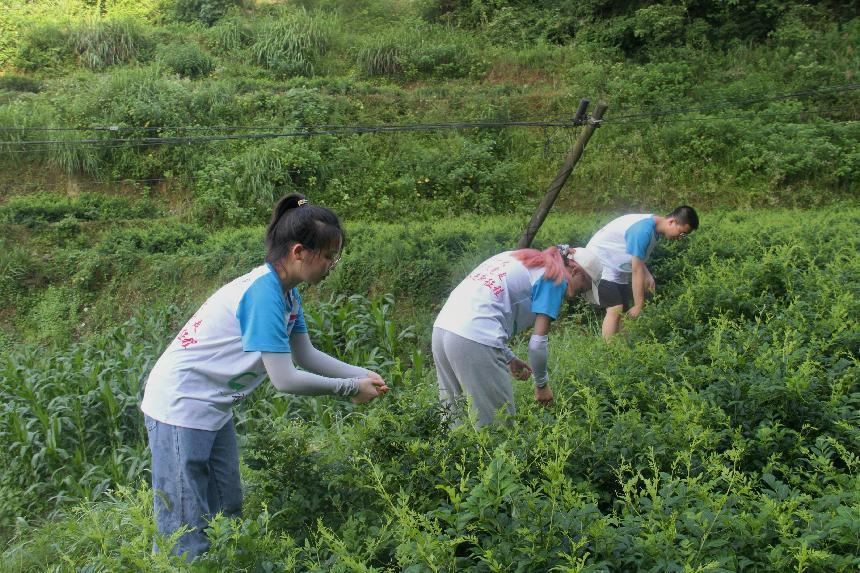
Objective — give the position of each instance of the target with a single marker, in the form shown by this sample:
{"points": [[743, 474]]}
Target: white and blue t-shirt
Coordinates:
{"points": [[617, 242], [216, 359], [499, 299]]}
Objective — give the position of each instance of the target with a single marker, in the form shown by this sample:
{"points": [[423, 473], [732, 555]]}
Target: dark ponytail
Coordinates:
{"points": [[294, 220]]}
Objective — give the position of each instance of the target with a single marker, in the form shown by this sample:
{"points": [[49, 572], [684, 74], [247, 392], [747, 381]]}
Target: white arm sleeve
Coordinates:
{"points": [[538, 352], [313, 360], [286, 378], [509, 354]]}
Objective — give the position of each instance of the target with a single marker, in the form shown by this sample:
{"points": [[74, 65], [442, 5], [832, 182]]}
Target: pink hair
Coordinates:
{"points": [[550, 259]]}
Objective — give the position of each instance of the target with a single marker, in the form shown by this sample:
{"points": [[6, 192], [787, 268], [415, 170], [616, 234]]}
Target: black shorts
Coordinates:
{"points": [[614, 294]]}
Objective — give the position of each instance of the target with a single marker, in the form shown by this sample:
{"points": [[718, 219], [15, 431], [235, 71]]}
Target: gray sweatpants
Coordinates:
{"points": [[466, 366]]}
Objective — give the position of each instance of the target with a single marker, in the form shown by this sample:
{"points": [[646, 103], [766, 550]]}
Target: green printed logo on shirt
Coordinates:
{"points": [[233, 383]]}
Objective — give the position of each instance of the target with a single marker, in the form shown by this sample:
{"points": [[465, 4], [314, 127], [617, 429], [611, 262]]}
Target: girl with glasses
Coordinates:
{"points": [[250, 329]]}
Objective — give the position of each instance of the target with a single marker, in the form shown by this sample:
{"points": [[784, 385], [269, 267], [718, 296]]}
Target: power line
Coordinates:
{"points": [[319, 129], [153, 141], [512, 123], [351, 130], [304, 132]]}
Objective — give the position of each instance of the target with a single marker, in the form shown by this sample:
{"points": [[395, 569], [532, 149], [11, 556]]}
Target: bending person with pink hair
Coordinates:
{"points": [[506, 294]]}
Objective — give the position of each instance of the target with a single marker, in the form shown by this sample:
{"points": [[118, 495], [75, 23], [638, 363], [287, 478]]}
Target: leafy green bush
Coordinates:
{"points": [[20, 83], [125, 513], [245, 187], [206, 11], [44, 47], [39, 208], [527, 26], [187, 59]]}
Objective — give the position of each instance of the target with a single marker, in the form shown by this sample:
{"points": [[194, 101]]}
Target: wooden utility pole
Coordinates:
{"points": [[569, 162]]}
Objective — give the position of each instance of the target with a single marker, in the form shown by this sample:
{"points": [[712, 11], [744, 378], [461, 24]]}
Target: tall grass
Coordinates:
{"points": [[229, 34], [292, 43], [67, 155], [100, 43], [416, 49], [385, 54]]}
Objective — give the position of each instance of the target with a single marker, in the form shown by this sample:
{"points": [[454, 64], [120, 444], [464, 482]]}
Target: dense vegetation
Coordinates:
{"points": [[722, 435]]}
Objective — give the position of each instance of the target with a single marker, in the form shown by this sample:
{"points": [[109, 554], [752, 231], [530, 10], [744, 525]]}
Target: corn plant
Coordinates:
{"points": [[70, 418]]}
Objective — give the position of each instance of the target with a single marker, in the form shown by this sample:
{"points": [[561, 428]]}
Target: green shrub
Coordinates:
{"points": [[527, 26], [40, 208], [125, 514], [44, 47], [206, 11], [134, 97], [25, 121], [244, 188], [149, 238], [187, 59], [443, 173], [8, 37], [20, 273], [20, 83], [55, 315]]}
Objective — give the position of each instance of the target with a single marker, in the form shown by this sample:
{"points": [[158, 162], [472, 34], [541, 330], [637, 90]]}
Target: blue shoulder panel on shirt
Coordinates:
{"points": [[262, 315], [298, 312], [639, 236], [547, 297]]}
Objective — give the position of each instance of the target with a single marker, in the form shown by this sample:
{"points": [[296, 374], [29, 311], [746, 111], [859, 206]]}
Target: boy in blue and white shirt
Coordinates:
{"points": [[624, 245]]}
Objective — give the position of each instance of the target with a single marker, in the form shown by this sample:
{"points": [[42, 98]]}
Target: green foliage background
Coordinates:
{"points": [[721, 436]]}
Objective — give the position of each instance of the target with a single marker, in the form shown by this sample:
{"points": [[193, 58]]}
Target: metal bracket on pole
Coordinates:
{"points": [[580, 112]]}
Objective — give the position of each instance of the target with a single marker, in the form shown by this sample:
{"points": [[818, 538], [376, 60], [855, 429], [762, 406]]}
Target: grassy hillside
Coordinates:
{"points": [[697, 114]]}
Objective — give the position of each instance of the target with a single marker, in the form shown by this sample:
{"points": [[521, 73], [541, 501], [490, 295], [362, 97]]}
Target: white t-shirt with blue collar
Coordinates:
{"points": [[499, 299], [619, 240], [216, 359]]}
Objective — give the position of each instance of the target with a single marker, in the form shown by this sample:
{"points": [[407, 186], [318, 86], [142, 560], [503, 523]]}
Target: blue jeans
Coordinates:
{"points": [[195, 474]]}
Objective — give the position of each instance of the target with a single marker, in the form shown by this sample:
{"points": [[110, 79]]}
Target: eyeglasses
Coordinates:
{"points": [[682, 236], [335, 260]]}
